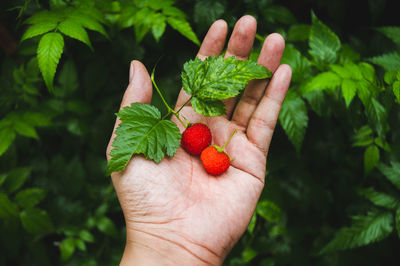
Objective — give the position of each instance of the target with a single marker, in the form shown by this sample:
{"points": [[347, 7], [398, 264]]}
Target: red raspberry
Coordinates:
{"points": [[196, 138], [214, 161]]}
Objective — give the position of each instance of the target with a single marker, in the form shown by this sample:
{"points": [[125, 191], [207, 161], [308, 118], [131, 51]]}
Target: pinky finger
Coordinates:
{"points": [[262, 123]]}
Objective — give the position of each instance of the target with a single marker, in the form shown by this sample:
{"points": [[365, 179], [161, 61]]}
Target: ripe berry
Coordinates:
{"points": [[196, 138], [215, 162]]}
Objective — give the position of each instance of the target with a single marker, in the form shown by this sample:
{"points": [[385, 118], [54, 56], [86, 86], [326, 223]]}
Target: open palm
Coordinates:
{"points": [[174, 210]]}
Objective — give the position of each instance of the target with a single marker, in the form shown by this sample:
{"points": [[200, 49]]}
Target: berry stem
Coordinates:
{"points": [[223, 147], [170, 110]]}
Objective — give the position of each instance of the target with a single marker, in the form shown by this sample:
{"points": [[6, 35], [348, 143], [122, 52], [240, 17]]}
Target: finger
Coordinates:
{"points": [[139, 90], [240, 45], [270, 57], [213, 44], [263, 121]]}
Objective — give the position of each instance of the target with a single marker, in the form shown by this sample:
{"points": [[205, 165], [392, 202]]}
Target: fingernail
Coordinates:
{"points": [[131, 72]]}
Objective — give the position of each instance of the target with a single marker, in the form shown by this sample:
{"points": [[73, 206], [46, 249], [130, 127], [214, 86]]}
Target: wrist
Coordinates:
{"points": [[144, 248]]}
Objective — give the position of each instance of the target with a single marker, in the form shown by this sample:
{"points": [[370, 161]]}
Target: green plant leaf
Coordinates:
{"points": [[301, 66], [30, 197], [142, 132], [380, 199], [391, 173], [366, 229], [376, 115], [7, 136], [349, 89], [217, 78], [143, 22], [105, 225], [208, 108], [363, 137], [85, 235], [324, 44], [397, 221], [38, 29], [8, 209], [73, 29], [49, 52], [158, 26], [323, 81], [207, 11], [371, 158], [67, 248], [396, 90], [269, 211], [280, 14], [391, 32], [44, 16], [25, 129], [299, 32], [389, 61], [293, 119], [88, 22], [36, 221], [16, 178], [184, 28]]}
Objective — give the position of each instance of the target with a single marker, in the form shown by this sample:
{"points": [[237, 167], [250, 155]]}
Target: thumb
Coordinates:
{"points": [[139, 90]]}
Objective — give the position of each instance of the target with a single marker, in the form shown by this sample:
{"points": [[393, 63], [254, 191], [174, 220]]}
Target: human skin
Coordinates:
{"points": [[177, 214]]}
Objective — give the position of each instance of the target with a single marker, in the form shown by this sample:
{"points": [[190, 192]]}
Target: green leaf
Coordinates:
{"points": [[49, 52], [391, 173], [30, 197], [88, 22], [301, 66], [172, 11], [36, 119], [324, 44], [67, 248], [363, 137], [68, 78], [107, 226], [75, 30], [280, 14], [158, 27], [184, 28], [7, 136], [25, 129], [16, 178], [38, 29], [299, 32], [349, 89], [396, 90], [397, 221], [368, 71], [217, 78], [208, 108], [348, 71], [269, 211], [392, 33], [293, 119], [207, 11], [142, 132], [389, 61], [248, 254], [36, 221], [323, 81], [371, 158], [367, 229], [390, 76], [7, 208], [44, 17], [85, 235], [376, 114], [252, 223], [380, 199], [143, 23]]}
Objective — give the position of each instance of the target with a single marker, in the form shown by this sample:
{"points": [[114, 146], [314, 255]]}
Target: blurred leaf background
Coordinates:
{"points": [[332, 194]]}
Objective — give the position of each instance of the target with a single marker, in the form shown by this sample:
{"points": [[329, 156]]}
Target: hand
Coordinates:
{"points": [[175, 212]]}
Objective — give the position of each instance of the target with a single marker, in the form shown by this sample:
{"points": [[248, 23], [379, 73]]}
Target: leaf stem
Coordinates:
{"points": [[180, 120], [159, 92], [259, 37], [184, 104]]}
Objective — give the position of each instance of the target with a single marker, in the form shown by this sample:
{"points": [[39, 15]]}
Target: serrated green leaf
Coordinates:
{"points": [[7, 208], [248, 254], [294, 119], [323, 81], [217, 78], [382, 143], [371, 158], [38, 29], [16, 178], [324, 44], [389, 61], [25, 129], [49, 52], [366, 229], [7, 136], [390, 77], [368, 71], [44, 17], [207, 11], [174, 12], [269, 211], [392, 173], [396, 90], [280, 14], [348, 71], [36, 221], [363, 137], [67, 248], [376, 114], [85, 235], [184, 28], [88, 22], [30, 197], [391, 32], [158, 26], [73, 29], [36, 119], [208, 108], [142, 132], [380, 199], [349, 89], [301, 66], [143, 22], [299, 32]]}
